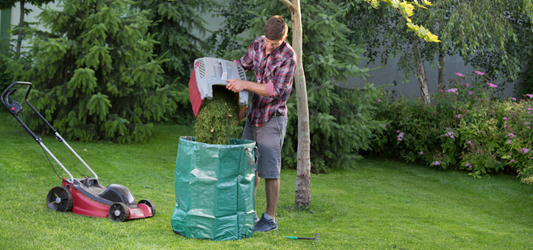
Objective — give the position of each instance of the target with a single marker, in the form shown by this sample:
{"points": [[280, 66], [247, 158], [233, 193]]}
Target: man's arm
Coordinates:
{"points": [[237, 85]]}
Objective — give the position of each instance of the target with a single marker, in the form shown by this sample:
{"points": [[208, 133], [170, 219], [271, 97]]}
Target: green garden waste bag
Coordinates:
{"points": [[215, 189]]}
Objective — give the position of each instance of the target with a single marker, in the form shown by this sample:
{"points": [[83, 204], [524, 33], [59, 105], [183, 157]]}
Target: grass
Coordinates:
{"points": [[379, 204]]}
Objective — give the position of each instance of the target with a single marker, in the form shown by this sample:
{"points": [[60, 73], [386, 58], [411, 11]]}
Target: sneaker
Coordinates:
{"points": [[256, 219], [265, 225]]}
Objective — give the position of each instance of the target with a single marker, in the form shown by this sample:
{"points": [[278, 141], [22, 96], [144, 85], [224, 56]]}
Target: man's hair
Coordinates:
{"points": [[275, 28]]}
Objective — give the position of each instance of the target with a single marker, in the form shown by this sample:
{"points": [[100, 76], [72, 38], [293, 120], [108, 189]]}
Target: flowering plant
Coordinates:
{"points": [[464, 127]]}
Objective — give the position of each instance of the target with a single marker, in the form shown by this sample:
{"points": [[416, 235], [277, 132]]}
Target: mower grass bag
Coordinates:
{"points": [[215, 189]]}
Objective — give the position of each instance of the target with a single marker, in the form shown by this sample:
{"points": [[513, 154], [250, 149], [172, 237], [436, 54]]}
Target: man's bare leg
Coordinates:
{"points": [[272, 195]]}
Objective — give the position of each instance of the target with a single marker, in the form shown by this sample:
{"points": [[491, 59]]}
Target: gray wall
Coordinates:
{"points": [[388, 74]]}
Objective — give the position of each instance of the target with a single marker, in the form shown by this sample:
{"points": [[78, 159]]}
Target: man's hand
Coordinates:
{"points": [[236, 85]]}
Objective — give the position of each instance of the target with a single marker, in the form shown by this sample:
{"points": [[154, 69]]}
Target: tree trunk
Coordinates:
{"points": [[421, 72], [303, 178], [21, 24], [442, 81]]}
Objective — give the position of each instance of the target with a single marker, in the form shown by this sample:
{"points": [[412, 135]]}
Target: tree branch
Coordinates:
{"points": [[288, 4]]}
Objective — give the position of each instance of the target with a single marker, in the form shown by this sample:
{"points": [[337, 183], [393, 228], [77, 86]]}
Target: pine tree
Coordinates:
{"points": [[95, 75], [176, 24]]}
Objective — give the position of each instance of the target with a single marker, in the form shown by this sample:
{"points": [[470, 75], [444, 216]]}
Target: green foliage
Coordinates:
{"points": [[95, 75], [476, 30], [218, 118], [340, 120], [226, 38], [464, 128], [175, 25]]}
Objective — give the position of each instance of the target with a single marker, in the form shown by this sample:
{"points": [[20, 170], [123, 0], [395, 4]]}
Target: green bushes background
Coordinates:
{"points": [[463, 128]]}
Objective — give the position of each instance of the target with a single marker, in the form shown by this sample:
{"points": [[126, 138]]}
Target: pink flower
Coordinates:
{"points": [[528, 127], [469, 142], [379, 100], [514, 99], [524, 150], [468, 164], [421, 152], [511, 135], [505, 118], [435, 163], [492, 85], [509, 141], [459, 74], [470, 92], [384, 125], [400, 139], [479, 73], [459, 116], [397, 131], [529, 95], [467, 85], [451, 90], [512, 160]]}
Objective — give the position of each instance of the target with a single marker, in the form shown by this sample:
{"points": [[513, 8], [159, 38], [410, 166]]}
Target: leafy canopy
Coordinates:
{"points": [[406, 9]]}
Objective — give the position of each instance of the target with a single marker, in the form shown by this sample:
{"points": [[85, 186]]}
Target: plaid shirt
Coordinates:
{"points": [[276, 70]]}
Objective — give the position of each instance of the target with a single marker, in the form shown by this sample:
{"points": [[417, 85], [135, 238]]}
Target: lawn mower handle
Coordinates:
{"points": [[6, 101], [8, 105], [15, 108]]}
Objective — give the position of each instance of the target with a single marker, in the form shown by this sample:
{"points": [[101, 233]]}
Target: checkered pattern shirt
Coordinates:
{"points": [[276, 71]]}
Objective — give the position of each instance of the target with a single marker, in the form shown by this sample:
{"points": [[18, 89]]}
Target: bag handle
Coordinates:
{"points": [[253, 157]]}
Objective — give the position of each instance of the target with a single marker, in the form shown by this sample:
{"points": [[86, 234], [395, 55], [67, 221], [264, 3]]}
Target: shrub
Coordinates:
{"points": [[464, 128], [341, 125]]}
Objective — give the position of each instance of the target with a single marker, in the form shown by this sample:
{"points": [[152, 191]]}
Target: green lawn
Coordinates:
{"points": [[379, 204]]}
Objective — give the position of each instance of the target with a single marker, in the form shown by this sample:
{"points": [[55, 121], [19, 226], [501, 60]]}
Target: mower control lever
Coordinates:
{"points": [[14, 107]]}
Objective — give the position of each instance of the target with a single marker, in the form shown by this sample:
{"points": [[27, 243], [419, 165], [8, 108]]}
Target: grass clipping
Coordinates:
{"points": [[218, 118]]}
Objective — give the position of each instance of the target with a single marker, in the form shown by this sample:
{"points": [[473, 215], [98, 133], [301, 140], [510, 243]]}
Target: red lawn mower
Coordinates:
{"points": [[85, 195]]}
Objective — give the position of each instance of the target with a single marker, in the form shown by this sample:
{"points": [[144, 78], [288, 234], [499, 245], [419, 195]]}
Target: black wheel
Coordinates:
{"points": [[150, 204], [59, 199], [119, 212]]}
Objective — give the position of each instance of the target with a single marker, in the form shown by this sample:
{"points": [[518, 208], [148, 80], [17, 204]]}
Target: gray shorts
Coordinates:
{"points": [[269, 139]]}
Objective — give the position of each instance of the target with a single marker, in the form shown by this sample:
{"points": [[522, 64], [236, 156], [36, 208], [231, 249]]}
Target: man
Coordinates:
{"points": [[273, 60]]}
